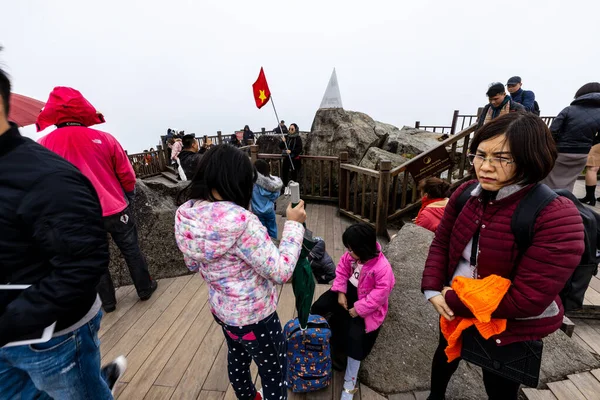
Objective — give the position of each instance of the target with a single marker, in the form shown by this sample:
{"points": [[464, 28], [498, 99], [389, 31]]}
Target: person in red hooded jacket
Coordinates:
{"points": [[510, 155], [434, 192], [100, 157]]}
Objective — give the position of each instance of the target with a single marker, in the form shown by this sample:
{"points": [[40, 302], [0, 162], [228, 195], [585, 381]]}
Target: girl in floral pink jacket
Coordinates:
{"points": [[227, 244], [357, 302]]}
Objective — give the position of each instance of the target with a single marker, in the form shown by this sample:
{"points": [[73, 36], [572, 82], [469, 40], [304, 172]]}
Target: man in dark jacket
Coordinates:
{"points": [[524, 97], [574, 130], [52, 239], [500, 104], [190, 156], [281, 128]]}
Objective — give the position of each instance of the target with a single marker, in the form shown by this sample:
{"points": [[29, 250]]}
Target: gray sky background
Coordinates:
{"points": [[150, 65]]}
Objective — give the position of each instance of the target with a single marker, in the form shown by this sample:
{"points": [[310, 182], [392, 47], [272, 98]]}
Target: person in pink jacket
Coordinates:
{"points": [[226, 243], [357, 303], [100, 157]]}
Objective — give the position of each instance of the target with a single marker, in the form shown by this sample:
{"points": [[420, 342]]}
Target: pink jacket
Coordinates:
{"points": [[176, 149], [234, 254], [97, 154], [375, 284]]}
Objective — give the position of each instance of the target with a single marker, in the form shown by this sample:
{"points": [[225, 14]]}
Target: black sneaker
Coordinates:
{"points": [[108, 308], [113, 371], [148, 294]]}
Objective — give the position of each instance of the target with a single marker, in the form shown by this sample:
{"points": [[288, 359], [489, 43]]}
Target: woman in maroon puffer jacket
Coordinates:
{"points": [[509, 156]]}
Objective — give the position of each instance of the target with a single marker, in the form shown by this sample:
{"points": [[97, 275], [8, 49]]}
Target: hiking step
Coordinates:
{"points": [[534, 394]]}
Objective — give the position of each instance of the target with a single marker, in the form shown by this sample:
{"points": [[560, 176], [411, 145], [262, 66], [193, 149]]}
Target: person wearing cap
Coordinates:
{"points": [[524, 97], [500, 104]]}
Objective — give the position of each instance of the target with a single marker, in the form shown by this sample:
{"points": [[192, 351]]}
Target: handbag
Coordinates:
{"points": [[519, 362]]}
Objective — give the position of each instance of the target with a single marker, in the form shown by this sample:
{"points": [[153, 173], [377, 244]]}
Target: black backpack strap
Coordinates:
{"points": [[464, 197], [523, 220]]}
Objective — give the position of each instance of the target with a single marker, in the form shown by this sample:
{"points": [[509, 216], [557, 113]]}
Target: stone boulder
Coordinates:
{"points": [[401, 359], [269, 144], [154, 210], [410, 142], [337, 130], [374, 155]]}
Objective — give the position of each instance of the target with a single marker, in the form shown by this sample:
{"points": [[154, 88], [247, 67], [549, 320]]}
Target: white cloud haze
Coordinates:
{"points": [[150, 65]]}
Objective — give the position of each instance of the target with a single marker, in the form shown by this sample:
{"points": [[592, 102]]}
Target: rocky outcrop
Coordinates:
{"points": [[268, 144], [401, 359], [337, 130], [374, 156], [410, 142], [154, 210]]}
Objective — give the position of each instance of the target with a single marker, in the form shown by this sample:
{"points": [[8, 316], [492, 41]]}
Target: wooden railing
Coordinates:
{"points": [[149, 163], [318, 174]]}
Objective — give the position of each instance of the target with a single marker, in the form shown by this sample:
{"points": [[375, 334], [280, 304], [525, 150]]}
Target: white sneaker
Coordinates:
{"points": [[114, 371], [348, 394]]}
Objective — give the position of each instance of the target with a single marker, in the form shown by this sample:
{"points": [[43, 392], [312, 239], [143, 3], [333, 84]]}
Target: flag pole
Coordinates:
{"points": [[282, 135]]}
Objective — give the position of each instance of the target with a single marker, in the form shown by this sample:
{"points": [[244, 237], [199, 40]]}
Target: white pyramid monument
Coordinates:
{"points": [[332, 97]]}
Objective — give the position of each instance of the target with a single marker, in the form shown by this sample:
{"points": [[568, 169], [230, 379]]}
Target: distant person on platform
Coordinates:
{"points": [[190, 156], [53, 239], [235, 141], [265, 193], [100, 157], [293, 151], [575, 129], [434, 198], [524, 97], [500, 104], [248, 135], [281, 128]]}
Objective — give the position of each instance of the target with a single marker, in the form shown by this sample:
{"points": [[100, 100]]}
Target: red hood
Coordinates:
{"points": [[67, 105]]}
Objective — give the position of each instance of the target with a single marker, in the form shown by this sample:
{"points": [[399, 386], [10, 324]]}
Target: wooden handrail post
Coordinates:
{"points": [[417, 124], [383, 197], [204, 140], [342, 181], [219, 137], [162, 163], [454, 121], [263, 130], [253, 153]]}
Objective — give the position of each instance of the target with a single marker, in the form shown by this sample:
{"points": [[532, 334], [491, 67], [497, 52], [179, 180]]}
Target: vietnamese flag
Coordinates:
{"points": [[261, 91]]}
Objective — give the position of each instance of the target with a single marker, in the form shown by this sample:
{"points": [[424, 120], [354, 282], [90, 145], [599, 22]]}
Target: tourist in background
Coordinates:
{"points": [[190, 156], [176, 146], [235, 140], [574, 130], [227, 244], [292, 152], [524, 97], [53, 239], [266, 191], [100, 157], [248, 136], [591, 174], [500, 104], [281, 128], [509, 155], [434, 197], [357, 303]]}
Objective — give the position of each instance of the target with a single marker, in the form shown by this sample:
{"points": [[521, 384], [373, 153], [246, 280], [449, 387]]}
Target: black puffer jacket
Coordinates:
{"points": [[189, 162], [321, 263], [575, 127], [52, 238]]}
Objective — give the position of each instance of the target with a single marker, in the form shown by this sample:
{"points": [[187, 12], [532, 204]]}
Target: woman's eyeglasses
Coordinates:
{"points": [[477, 160]]}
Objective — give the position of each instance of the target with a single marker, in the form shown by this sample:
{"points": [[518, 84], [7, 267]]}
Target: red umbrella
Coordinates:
{"points": [[24, 110]]}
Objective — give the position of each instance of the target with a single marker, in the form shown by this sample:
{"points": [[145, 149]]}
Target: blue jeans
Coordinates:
{"points": [[269, 221], [66, 367]]}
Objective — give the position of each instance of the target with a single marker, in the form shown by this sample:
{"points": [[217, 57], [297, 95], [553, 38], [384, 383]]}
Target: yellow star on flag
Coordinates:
{"points": [[262, 96]]}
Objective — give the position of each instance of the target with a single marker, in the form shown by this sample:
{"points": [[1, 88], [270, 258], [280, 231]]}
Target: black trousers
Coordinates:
{"points": [[121, 227], [496, 387], [286, 170]]}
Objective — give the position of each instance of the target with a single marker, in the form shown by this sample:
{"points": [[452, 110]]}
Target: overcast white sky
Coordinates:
{"points": [[150, 65]]}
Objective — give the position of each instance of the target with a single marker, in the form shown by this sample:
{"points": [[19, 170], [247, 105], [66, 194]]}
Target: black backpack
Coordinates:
{"points": [[522, 226]]}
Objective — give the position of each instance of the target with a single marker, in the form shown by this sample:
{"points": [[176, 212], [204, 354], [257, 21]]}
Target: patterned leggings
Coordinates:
{"points": [[264, 343]]}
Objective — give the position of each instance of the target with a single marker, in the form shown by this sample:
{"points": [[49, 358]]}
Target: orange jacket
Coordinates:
{"points": [[482, 297]]}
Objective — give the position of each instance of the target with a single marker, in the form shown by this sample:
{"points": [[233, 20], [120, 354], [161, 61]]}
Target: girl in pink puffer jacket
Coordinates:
{"points": [[357, 301]]}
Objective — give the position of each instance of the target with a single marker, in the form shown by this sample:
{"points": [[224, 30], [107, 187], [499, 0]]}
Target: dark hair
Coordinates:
{"points": [[5, 90], [246, 128], [295, 126], [362, 240], [263, 167], [225, 169], [531, 144], [495, 89], [188, 141], [592, 87], [435, 188], [282, 121]]}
